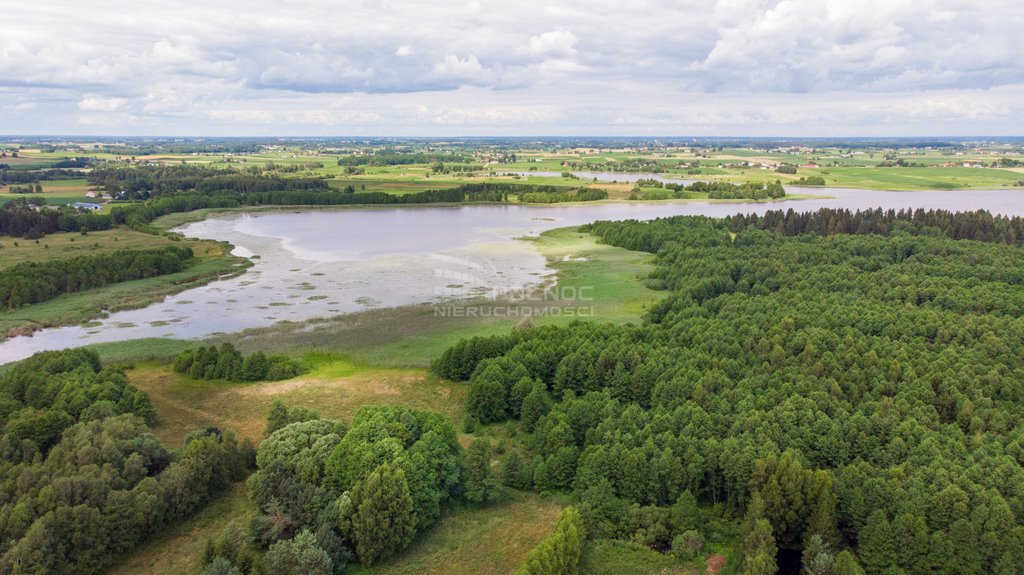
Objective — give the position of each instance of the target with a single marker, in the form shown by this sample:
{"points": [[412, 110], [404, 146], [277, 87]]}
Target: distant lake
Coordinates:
{"points": [[320, 263]]}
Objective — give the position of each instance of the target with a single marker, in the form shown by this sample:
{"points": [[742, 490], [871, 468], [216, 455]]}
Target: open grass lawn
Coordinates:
{"points": [[471, 541], [176, 549], [335, 388]]}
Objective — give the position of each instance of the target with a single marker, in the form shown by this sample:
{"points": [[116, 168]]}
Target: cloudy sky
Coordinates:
{"points": [[513, 67]]}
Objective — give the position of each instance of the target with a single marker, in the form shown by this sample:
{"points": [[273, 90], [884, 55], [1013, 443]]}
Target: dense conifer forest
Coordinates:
{"points": [[844, 385]]}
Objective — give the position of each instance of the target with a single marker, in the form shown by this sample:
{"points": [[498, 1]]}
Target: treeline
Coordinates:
{"points": [[82, 478], [328, 494], [582, 195], [810, 181], [145, 182], [747, 191], [855, 398], [20, 218], [714, 190], [34, 282], [401, 159], [229, 364], [139, 215], [979, 225], [33, 176]]}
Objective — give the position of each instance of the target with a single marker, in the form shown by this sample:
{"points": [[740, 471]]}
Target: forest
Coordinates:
{"points": [[34, 282], [82, 477], [845, 393]]}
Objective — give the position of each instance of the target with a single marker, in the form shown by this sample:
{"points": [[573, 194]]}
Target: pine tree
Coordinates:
{"points": [[383, 521], [278, 416], [486, 400], [685, 515], [876, 548], [817, 558], [513, 472], [846, 564], [480, 485], [536, 404], [759, 550]]}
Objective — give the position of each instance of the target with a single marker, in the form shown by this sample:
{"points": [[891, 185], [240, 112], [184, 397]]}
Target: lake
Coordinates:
{"points": [[320, 263]]}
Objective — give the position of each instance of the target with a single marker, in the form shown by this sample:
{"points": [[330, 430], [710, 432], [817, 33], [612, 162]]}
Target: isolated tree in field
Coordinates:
{"points": [[383, 521], [480, 485]]}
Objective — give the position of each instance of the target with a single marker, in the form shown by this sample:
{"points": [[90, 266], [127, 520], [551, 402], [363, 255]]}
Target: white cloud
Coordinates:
{"points": [[596, 66], [101, 104], [559, 43]]}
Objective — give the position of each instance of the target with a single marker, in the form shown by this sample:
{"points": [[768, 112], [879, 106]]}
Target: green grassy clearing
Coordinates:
{"points": [[177, 549], [471, 541], [612, 557], [930, 178], [335, 387]]}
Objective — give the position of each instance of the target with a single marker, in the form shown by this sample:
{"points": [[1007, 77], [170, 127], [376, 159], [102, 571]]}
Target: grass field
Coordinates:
{"points": [[392, 186], [610, 557], [61, 246], [335, 388], [176, 549], [55, 192], [930, 178], [469, 541]]}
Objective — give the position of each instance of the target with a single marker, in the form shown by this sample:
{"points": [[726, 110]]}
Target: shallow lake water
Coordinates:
{"points": [[321, 263]]}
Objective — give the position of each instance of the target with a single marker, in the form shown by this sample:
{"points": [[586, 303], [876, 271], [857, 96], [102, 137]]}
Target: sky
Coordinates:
{"points": [[513, 67]]}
